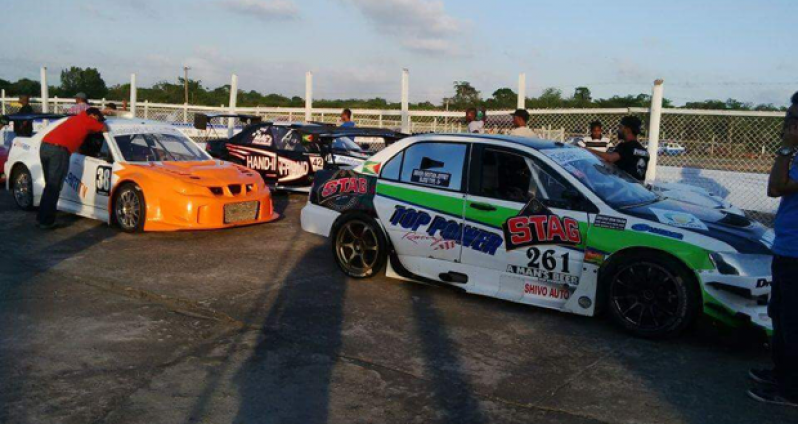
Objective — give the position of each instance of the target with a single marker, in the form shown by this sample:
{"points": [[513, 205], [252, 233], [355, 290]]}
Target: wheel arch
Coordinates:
{"points": [[112, 197], [617, 258]]}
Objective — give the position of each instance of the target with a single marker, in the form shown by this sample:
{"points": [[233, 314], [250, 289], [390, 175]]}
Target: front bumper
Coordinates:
{"points": [[184, 212], [737, 299]]}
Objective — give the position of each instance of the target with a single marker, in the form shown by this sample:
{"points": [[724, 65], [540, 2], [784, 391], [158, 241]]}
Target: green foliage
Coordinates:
{"points": [[78, 80], [89, 80]]}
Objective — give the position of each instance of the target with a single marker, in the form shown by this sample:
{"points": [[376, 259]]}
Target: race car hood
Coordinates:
{"points": [[738, 231], [209, 173]]}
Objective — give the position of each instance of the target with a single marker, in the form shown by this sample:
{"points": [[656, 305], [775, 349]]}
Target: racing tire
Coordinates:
{"points": [[359, 246], [22, 188], [129, 208], [652, 296]]}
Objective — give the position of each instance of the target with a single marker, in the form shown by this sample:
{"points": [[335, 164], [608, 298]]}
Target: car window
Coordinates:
{"points": [[158, 147], [438, 165], [94, 146], [514, 177], [391, 169], [287, 139], [346, 144]]}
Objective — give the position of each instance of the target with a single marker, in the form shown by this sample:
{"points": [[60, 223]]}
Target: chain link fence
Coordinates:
{"points": [[728, 153]]}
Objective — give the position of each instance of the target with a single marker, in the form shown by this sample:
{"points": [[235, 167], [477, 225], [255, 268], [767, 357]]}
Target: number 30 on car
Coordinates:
{"points": [[541, 223]]}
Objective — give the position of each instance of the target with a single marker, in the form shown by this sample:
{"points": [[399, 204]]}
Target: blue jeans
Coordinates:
{"points": [[783, 310], [55, 166]]}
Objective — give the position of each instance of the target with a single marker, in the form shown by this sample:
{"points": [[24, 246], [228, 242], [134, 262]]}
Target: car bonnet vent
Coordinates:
{"points": [[734, 220]]}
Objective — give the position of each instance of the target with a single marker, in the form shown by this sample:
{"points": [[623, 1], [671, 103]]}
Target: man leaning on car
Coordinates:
{"points": [[57, 146], [782, 381]]}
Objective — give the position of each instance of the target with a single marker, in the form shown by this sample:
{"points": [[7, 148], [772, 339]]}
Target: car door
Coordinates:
{"points": [[540, 260], [255, 149], [293, 164], [420, 198]]}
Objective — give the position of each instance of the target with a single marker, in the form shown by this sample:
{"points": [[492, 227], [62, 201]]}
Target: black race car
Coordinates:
{"points": [[288, 155]]}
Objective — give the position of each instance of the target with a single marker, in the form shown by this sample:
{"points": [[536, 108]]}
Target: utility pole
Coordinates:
{"points": [[185, 82]]}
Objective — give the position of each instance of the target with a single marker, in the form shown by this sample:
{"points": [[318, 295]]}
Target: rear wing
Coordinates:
{"points": [[201, 120], [16, 117]]}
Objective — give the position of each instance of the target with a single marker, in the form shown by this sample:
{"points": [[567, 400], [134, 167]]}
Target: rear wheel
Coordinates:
{"points": [[652, 296], [359, 246], [22, 188], [129, 208]]}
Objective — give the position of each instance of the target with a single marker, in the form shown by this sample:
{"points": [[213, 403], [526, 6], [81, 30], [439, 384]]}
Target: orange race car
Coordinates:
{"points": [[144, 176]]}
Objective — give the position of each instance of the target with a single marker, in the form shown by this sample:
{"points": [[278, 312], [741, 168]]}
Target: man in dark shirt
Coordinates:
{"points": [[56, 148], [629, 155], [24, 128]]}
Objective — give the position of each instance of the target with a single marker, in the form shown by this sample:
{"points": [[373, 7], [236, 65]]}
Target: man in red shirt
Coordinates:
{"points": [[57, 146]]}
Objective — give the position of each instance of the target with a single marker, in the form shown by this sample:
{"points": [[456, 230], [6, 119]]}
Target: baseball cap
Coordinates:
{"points": [[81, 95], [521, 113]]}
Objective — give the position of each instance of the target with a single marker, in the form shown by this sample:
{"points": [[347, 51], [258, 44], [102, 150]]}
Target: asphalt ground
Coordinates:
{"points": [[257, 324]]}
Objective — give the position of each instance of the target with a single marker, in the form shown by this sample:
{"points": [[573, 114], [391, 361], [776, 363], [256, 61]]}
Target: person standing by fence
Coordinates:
{"points": [[629, 155], [596, 139], [783, 306], [520, 124], [81, 104], [24, 128], [346, 119]]}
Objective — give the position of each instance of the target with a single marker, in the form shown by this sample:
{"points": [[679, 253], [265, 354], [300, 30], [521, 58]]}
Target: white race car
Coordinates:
{"points": [[541, 223], [143, 176]]}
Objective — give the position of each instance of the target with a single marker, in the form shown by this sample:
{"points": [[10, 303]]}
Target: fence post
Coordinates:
{"points": [[133, 95], [233, 101], [55, 104], [185, 113], [146, 109], [380, 119], [655, 115], [521, 91], [3, 94], [45, 91], [308, 96], [102, 103], [405, 100]]}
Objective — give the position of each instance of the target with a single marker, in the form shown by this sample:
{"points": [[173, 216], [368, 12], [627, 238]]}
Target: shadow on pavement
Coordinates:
{"points": [[20, 267]]}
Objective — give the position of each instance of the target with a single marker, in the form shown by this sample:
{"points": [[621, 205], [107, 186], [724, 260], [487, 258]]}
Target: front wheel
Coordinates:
{"points": [[129, 208], [359, 246], [652, 296], [22, 187]]}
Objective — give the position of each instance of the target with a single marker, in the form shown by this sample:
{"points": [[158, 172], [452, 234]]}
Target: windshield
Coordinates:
{"points": [[346, 143], [158, 147], [612, 185]]}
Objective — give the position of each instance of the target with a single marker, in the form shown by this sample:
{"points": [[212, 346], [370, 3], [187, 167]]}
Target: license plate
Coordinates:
{"points": [[243, 211]]}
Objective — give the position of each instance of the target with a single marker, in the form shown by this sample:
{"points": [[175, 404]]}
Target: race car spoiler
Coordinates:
{"points": [[33, 116], [201, 120]]}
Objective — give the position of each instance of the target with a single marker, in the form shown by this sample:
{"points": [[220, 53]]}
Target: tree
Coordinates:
{"points": [[503, 98], [465, 96], [582, 94], [549, 99], [26, 86], [78, 80]]}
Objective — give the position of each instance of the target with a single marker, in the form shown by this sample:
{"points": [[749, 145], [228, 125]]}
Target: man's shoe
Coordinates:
{"points": [[762, 376], [772, 396], [47, 226]]}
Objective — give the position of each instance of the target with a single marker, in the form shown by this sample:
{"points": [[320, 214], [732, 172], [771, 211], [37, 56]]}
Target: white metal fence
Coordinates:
{"points": [[728, 153]]}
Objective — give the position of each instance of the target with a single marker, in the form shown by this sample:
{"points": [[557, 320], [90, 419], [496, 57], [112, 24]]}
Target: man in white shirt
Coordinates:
{"points": [[520, 120], [596, 139], [81, 104]]}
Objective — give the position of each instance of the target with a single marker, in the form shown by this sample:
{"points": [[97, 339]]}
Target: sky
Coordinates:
{"points": [[703, 49]]}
